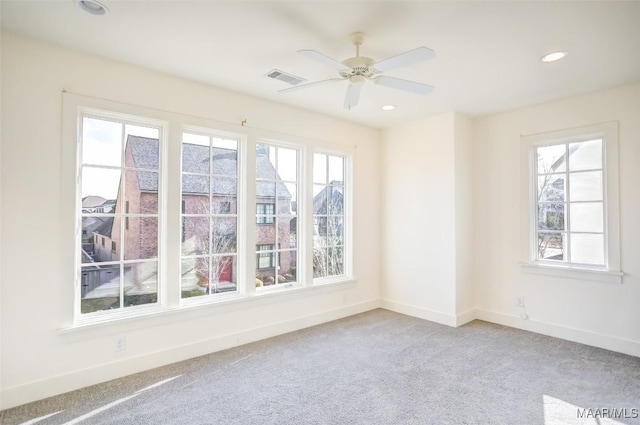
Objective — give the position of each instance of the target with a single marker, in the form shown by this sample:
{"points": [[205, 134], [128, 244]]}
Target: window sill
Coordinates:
{"points": [[153, 315], [580, 273]]}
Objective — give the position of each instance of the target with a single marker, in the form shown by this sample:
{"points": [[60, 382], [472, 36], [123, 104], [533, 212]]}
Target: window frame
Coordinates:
{"points": [[610, 272], [347, 216], [172, 126]]}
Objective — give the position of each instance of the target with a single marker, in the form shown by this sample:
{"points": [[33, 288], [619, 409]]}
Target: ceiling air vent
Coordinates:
{"points": [[283, 76]]}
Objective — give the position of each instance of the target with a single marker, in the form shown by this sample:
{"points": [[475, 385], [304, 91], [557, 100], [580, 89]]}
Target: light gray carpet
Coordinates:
{"points": [[373, 368]]}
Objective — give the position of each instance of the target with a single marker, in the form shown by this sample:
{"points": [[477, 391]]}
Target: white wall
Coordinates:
{"points": [[37, 360], [418, 186], [464, 204], [601, 314]]}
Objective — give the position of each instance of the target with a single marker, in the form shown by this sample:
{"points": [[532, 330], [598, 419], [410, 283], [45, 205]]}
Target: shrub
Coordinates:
{"points": [[281, 279], [289, 277], [269, 280], [259, 283]]}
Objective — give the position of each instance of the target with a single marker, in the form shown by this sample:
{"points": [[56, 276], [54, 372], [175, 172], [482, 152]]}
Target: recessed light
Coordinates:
{"points": [[388, 107], [552, 57], [92, 6]]}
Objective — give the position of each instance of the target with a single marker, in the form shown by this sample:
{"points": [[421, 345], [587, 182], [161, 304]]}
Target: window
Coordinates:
{"points": [[266, 256], [265, 213], [276, 214], [119, 163], [328, 215], [133, 250], [572, 187], [209, 214]]}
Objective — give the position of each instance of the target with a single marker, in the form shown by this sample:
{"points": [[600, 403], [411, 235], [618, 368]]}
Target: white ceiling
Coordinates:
{"points": [[487, 53]]}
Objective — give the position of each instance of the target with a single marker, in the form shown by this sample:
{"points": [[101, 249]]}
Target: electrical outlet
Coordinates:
{"points": [[120, 344], [520, 301]]}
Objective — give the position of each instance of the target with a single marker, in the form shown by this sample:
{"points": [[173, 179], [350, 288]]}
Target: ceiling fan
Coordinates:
{"points": [[358, 69]]}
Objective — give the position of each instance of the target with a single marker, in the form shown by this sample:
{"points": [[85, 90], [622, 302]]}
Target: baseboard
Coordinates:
{"points": [[420, 312], [18, 395], [466, 317], [581, 336]]}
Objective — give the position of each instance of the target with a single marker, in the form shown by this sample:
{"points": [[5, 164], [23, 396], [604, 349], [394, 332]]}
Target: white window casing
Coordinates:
{"points": [[609, 270]]}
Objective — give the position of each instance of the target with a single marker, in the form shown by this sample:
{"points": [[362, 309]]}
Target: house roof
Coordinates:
{"points": [[195, 159], [92, 201], [105, 227]]}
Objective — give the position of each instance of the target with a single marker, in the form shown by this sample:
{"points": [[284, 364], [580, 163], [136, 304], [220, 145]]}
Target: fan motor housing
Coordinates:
{"points": [[359, 66]]}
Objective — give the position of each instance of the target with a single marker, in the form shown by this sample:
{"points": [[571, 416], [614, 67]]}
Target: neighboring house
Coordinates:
{"points": [[141, 197], [97, 204]]}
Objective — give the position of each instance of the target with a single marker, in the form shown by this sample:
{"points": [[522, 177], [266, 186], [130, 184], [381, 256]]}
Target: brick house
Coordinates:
{"points": [[141, 197]]}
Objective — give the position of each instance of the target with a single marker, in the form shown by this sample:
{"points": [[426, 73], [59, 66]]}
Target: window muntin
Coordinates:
{"points": [[276, 214], [209, 261], [570, 203], [328, 215], [118, 261]]}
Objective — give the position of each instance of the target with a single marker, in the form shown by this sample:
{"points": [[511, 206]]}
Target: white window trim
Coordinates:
{"points": [[348, 273], [169, 298], [611, 272]]}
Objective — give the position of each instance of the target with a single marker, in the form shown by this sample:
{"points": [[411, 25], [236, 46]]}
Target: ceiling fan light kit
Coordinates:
{"points": [[358, 69]]}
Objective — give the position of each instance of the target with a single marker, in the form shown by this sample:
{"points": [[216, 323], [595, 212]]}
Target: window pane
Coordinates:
{"points": [[335, 261], [551, 216], [142, 152], [265, 277], [587, 249], [551, 246], [320, 231], [94, 230], [320, 199], [287, 164], [287, 270], [335, 200], [551, 159], [334, 231], [551, 188], [224, 187], [265, 163], [100, 288], [319, 168], [141, 190], [223, 274], [223, 235], [225, 157], [587, 217], [586, 186], [99, 185], [195, 194], [196, 154], [265, 191], [195, 235], [224, 205], [286, 237], [142, 131], [101, 142], [585, 155], [140, 239], [320, 262], [140, 283], [266, 234], [287, 194], [336, 169], [195, 276]]}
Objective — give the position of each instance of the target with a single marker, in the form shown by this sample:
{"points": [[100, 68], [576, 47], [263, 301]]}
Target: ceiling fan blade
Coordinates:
{"points": [[353, 95], [307, 85], [403, 59], [398, 83], [324, 59]]}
